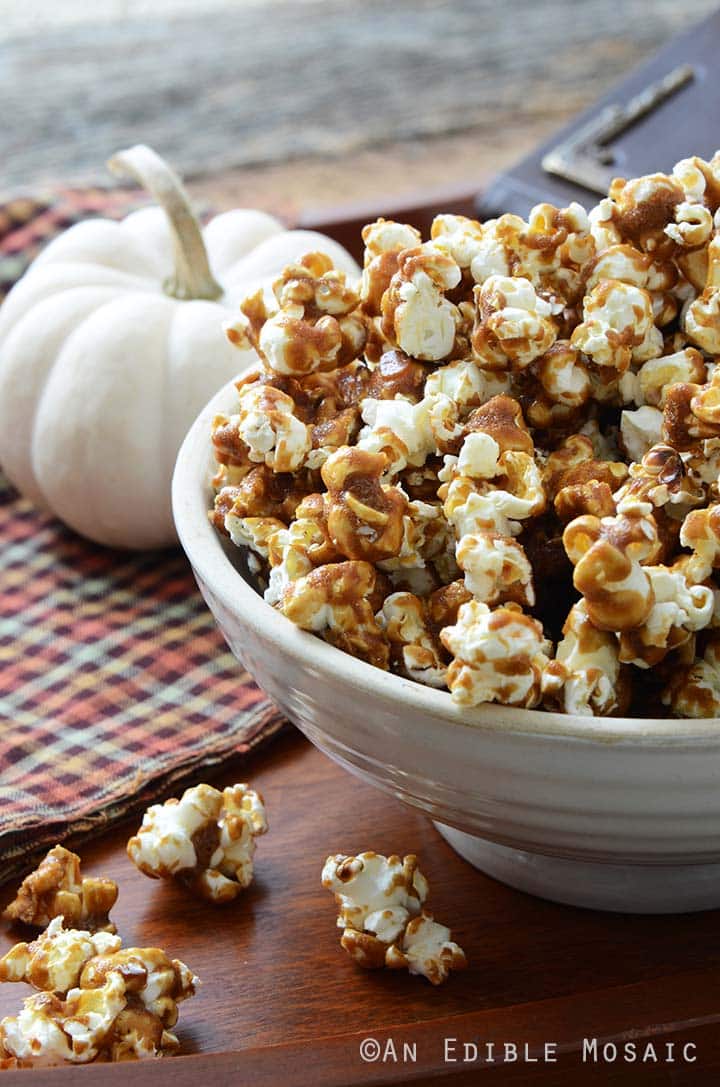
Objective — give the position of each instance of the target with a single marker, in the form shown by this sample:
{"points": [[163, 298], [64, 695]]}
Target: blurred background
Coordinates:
{"points": [[289, 105]]}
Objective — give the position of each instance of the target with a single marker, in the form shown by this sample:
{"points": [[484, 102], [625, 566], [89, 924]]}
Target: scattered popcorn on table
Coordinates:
{"points": [[206, 840], [493, 465], [57, 889], [96, 1001], [381, 913]]}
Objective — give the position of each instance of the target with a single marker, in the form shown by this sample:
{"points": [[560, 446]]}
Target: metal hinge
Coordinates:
{"points": [[586, 158]]}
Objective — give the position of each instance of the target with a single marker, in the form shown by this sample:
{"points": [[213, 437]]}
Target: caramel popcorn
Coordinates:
{"points": [[418, 655], [384, 241], [54, 961], [618, 326], [365, 517], [607, 554], [513, 326], [679, 609], [380, 900], [314, 327], [416, 314], [206, 840], [499, 656], [335, 601], [695, 692], [586, 668], [266, 423], [57, 889], [96, 1000], [702, 320], [493, 465]]}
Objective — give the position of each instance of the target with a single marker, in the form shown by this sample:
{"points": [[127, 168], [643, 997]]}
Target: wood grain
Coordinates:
{"points": [[280, 994], [265, 83]]}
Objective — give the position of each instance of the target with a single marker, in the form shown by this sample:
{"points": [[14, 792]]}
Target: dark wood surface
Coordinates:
{"points": [[282, 1003]]}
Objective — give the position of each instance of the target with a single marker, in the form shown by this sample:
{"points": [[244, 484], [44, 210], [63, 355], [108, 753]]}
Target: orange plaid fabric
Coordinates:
{"points": [[115, 683]]}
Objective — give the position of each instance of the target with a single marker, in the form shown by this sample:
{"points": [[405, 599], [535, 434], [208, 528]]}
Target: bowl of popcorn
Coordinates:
{"points": [[462, 523]]}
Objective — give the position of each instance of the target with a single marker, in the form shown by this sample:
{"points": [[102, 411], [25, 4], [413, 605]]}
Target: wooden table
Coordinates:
{"points": [[281, 1003]]}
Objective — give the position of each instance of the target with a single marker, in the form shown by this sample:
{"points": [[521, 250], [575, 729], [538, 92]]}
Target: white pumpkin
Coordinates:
{"points": [[111, 344]]}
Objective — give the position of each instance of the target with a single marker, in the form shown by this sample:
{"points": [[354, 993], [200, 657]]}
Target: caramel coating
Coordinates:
{"points": [[57, 889], [607, 554], [365, 518], [335, 601]]}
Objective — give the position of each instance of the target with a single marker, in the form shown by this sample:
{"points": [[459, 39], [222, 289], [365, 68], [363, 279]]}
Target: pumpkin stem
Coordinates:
{"points": [[192, 277]]}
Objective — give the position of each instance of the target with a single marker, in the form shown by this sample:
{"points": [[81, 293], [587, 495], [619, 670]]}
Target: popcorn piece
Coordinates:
{"points": [[679, 609], [498, 248], [427, 949], [513, 325], [231, 452], [563, 377], [314, 327], [692, 227], [365, 518], [652, 380], [57, 888], [701, 533], [263, 493], [691, 413], [97, 1002], [414, 647], [295, 550], [158, 982], [399, 429], [426, 535], [587, 666], [51, 1030], [252, 532], [485, 491], [556, 246], [499, 656], [458, 236], [451, 392], [416, 315], [384, 241], [697, 179], [501, 418], [696, 691], [660, 480], [640, 430], [380, 900], [443, 605], [396, 375], [639, 210], [702, 319], [497, 570], [267, 424], [54, 961], [607, 553], [618, 326], [375, 894], [578, 483], [335, 601], [206, 839]]}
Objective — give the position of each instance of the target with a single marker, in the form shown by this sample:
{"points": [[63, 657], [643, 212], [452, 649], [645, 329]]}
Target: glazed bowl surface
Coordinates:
{"points": [[612, 813]]}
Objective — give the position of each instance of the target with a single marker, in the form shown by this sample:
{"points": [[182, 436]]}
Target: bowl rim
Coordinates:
{"points": [[191, 489]]}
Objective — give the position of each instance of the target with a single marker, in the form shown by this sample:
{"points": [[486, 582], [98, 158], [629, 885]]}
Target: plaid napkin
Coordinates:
{"points": [[115, 684]]}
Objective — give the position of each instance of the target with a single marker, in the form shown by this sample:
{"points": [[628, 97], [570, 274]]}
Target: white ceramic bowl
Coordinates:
{"points": [[612, 813]]}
